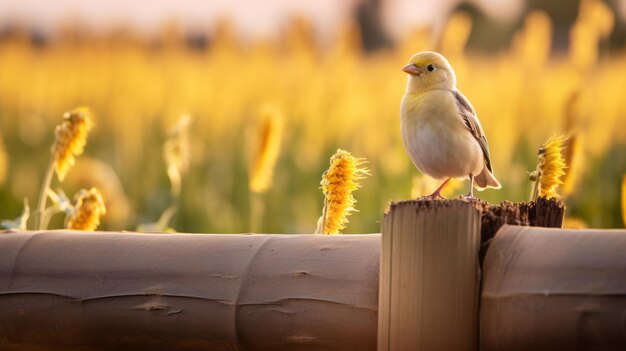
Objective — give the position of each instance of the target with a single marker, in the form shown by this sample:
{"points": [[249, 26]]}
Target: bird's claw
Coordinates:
{"points": [[434, 196], [469, 197]]}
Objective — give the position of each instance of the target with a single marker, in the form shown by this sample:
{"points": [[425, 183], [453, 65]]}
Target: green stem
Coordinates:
{"points": [[322, 222], [43, 196], [534, 192], [47, 216]]}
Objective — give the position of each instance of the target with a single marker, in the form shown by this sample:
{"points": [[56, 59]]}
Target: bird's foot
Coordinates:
{"points": [[470, 197], [434, 196]]}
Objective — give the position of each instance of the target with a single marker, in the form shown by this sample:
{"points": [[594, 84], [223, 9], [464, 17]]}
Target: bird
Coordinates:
{"points": [[440, 128]]}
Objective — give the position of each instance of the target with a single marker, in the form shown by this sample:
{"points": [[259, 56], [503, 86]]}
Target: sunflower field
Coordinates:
{"points": [[234, 136]]}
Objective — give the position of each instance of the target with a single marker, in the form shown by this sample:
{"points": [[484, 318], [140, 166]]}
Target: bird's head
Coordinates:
{"points": [[429, 70]]}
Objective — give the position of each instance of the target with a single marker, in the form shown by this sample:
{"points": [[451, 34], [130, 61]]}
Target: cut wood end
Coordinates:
{"points": [[541, 213], [433, 204], [532, 213]]}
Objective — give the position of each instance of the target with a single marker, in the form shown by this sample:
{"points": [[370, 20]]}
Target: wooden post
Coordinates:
{"points": [[429, 276], [430, 263]]}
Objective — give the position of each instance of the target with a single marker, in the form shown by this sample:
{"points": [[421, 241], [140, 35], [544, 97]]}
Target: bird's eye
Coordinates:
{"points": [[431, 67]]}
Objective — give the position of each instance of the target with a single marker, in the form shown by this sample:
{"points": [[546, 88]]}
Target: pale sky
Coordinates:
{"points": [[251, 18]]}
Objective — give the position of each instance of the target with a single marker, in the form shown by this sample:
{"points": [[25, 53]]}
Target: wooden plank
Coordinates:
{"points": [[554, 289]]}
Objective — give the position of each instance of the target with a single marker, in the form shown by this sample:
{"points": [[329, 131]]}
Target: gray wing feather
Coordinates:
{"points": [[468, 114]]}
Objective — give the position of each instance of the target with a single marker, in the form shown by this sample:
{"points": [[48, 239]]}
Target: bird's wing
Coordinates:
{"points": [[468, 114]]}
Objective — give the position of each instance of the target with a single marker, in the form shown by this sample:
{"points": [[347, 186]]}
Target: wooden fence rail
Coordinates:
{"points": [[122, 291], [554, 289], [539, 288]]}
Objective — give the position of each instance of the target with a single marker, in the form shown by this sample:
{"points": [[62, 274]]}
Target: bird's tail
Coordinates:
{"points": [[486, 179]]}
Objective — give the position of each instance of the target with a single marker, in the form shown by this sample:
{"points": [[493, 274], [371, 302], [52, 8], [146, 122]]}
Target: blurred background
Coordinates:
{"points": [[185, 94]]}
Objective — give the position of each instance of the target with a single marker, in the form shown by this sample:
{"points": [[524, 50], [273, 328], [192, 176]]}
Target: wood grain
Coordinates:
{"points": [[554, 289], [429, 282], [123, 291]]}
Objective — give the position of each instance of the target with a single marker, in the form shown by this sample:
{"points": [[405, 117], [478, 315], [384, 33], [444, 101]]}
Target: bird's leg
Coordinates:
{"points": [[437, 193], [470, 195]]}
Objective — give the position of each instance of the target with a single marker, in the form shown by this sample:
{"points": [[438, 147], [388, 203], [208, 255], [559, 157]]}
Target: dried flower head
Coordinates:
{"points": [[177, 153], [268, 149], [574, 110], [598, 14], [88, 209], [573, 157], [70, 139], [532, 44], [583, 49], [456, 33], [550, 168], [595, 21], [338, 183]]}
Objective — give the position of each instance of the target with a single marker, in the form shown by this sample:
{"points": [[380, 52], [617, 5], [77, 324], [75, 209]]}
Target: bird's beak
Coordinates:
{"points": [[412, 69]]}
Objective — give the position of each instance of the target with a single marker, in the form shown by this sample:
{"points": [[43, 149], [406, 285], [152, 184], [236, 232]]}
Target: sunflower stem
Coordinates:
{"points": [[536, 187], [43, 197], [322, 222]]}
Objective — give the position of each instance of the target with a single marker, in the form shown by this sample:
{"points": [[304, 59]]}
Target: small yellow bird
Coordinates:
{"points": [[440, 129]]}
